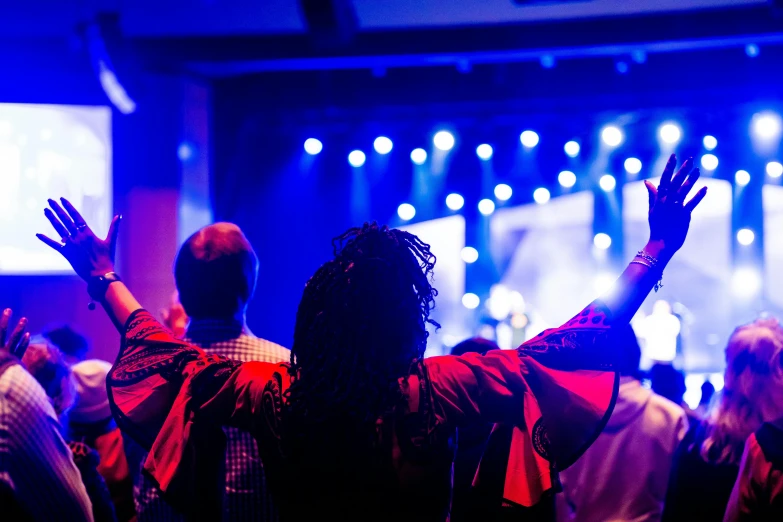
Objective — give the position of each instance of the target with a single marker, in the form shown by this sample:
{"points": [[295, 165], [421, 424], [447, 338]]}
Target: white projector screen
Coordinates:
{"points": [[50, 151]]}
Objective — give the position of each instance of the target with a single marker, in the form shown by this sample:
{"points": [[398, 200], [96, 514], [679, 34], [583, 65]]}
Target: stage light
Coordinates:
{"points": [[469, 254], [517, 302], [455, 201], [566, 179], [572, 148], [486, 206], [356, 158], [745, 236], [503, 192], [612, 135], [547, 61], [484, 151], [742, 177], [710, 142], [752, 50], [766, 125], [670, 133], [607, 183], [633, 165], [406, 211], [108, 79], [602, 241], [382, 145], [184, 151], [443, 140], [709, 162], [745, 282], [622, 67], [529, 139], [313, 146], [541, 195], [418, 156], [639, 56], [471, 301], [519, 321], [774, 169]]}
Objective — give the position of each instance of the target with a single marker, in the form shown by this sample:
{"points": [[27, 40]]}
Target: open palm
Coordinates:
{"points": [[87, 253]]}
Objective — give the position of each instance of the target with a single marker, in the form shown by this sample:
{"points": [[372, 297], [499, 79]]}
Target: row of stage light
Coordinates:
{"points": [[766, 126]]}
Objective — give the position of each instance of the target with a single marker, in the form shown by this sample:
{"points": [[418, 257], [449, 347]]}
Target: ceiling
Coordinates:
{"points": [[222, 38], [192, 18]]}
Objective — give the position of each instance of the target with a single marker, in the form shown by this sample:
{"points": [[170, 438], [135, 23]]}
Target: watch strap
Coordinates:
{"points": [[98, 285]]}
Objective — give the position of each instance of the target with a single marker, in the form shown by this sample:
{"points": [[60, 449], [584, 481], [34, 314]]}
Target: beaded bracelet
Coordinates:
{"points": [[650, 262]]}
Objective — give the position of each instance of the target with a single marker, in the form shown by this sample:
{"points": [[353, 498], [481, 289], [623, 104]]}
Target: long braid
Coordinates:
{"points": [[360, 326]]}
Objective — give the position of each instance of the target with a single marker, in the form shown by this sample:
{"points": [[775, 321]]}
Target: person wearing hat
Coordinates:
{"points": [[90, 422]]}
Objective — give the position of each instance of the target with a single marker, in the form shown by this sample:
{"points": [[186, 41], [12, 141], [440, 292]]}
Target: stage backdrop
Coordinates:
{"points": [[446, 237], [546, 253]]}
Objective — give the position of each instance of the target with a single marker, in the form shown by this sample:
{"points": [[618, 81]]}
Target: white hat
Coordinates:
{"points": [[92, 399]]}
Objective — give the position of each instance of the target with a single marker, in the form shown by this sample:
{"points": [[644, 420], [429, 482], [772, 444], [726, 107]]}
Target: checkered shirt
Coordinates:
{"points": [[246, 496], [36, 465]]}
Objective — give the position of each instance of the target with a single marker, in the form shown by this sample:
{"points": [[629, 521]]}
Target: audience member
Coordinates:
{"points": [[358, 426], [623, 476], [668, 382], [758, 491], [48, 366], [38, 478], [216, 271], [707, 393], [90, 422], [72, 345], [471, 441], [709, 457]]}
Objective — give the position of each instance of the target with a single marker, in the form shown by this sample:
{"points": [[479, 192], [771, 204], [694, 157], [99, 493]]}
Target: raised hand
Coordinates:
{"points": [[87, 253], [670, 215], [19, 340]]}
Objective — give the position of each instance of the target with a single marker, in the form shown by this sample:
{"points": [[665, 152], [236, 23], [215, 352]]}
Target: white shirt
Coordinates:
{"points": [[660, 331], [36, 464], [623, 475]]}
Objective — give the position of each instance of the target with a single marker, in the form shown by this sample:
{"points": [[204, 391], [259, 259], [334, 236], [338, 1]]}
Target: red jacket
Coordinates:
{"points": [[758, 492]]}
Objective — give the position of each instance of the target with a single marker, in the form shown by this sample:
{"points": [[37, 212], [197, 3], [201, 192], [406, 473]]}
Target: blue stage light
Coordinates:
{"points": [[484, 151], [418, 156], [356, 158], [529, 139], [313, 146], [443, 140], [455, 201], [406, 211], [382, 145]]}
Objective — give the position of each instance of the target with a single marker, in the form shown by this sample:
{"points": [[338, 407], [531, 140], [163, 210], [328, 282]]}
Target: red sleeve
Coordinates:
{"points": [[743, 500], [159, 386], [557, 390]]}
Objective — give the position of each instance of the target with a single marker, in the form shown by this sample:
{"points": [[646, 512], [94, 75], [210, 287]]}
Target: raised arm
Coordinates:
{"points": [[558, 389], [488, 387], [92, 258], [669, 218]]}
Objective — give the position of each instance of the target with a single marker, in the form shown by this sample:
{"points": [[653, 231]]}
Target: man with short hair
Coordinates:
{"points": [[216, 271]]}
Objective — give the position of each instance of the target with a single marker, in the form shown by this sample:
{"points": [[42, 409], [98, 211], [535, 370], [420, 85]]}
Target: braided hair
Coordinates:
{"points": [[360, 326]]}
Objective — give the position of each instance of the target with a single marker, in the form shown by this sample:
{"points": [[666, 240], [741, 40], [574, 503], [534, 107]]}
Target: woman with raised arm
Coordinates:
{"points": [[359, 425]]}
